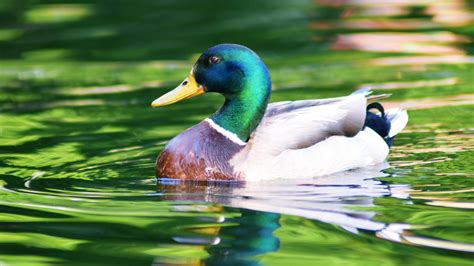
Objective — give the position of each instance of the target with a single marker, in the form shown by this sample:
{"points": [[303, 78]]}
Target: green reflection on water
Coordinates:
{"points": [[78, 138]]}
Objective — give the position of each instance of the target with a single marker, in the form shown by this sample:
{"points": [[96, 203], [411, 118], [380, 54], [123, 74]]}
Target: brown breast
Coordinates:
{"points": [[199, 153]]}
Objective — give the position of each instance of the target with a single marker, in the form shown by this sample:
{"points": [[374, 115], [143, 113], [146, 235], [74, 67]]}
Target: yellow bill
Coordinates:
{"points": [[187, 89]]}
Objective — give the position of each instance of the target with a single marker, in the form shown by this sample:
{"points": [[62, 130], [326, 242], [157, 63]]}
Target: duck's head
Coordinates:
{"points": [[239, 75], [226, 69]]}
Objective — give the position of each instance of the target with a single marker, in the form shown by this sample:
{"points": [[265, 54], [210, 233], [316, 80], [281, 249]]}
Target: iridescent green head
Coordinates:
{"points": [[227, 69], [239, 75]]}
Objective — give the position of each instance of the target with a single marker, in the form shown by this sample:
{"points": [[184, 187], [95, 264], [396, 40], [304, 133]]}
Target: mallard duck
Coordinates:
{"points": [[248, 139]]}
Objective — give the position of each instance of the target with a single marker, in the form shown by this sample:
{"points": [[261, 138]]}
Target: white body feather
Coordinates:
{"points": [[335, 154], [307, 139]]}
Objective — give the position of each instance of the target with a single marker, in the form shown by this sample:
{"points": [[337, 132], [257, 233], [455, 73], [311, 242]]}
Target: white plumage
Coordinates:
{"points": [[305, 139]]}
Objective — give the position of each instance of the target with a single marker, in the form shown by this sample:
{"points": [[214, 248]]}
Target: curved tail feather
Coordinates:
{"points": [[388, 123]]}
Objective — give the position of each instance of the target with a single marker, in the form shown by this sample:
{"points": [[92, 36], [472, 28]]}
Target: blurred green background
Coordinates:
{"points": [[78, 137]]}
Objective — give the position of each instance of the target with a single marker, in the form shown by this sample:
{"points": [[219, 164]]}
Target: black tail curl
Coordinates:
{"points": [[378, 122]]}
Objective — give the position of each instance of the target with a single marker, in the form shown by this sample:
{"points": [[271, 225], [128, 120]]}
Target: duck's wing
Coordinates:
{"points": [[288, 106], [334, 154], [301, 124]]}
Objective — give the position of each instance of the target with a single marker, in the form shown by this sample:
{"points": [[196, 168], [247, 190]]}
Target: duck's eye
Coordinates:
{"points": [[214, 59]]}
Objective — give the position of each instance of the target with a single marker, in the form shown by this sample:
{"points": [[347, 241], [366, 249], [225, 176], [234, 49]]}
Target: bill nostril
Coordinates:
{"points": [[185, 83]]}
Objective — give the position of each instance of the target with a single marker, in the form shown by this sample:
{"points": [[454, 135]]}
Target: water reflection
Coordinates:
{"points": [[253, 235], [326, 199], [387, 26], [78, 147], [423, 43], [422, 60], [344, 199]]}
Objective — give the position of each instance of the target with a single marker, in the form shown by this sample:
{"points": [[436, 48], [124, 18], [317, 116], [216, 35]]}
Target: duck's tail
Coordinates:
{"points": [[387, 123]]}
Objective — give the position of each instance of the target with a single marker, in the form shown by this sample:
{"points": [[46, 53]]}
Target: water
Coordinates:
{"points": [[78, 139]]}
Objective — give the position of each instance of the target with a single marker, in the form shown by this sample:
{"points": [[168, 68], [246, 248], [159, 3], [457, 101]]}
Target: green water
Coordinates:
{"points": [[78, 137]]}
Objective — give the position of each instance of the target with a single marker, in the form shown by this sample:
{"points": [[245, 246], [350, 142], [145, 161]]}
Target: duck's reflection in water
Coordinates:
{"points": [[252, 236], [235, 240], [330, 199], [326, 199]]}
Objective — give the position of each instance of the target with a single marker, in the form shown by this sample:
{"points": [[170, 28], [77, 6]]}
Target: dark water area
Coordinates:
{"points": [[78, 138]]}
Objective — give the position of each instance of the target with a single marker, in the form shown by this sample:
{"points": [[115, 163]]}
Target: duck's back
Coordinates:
{"points": [[199, 153]]}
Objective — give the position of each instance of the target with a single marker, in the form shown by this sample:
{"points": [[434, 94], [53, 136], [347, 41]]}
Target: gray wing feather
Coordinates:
{"points": [[301, 124], [282, 107]]}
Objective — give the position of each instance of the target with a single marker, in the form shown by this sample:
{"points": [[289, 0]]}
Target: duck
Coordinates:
{"points": [[249, 139]]}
